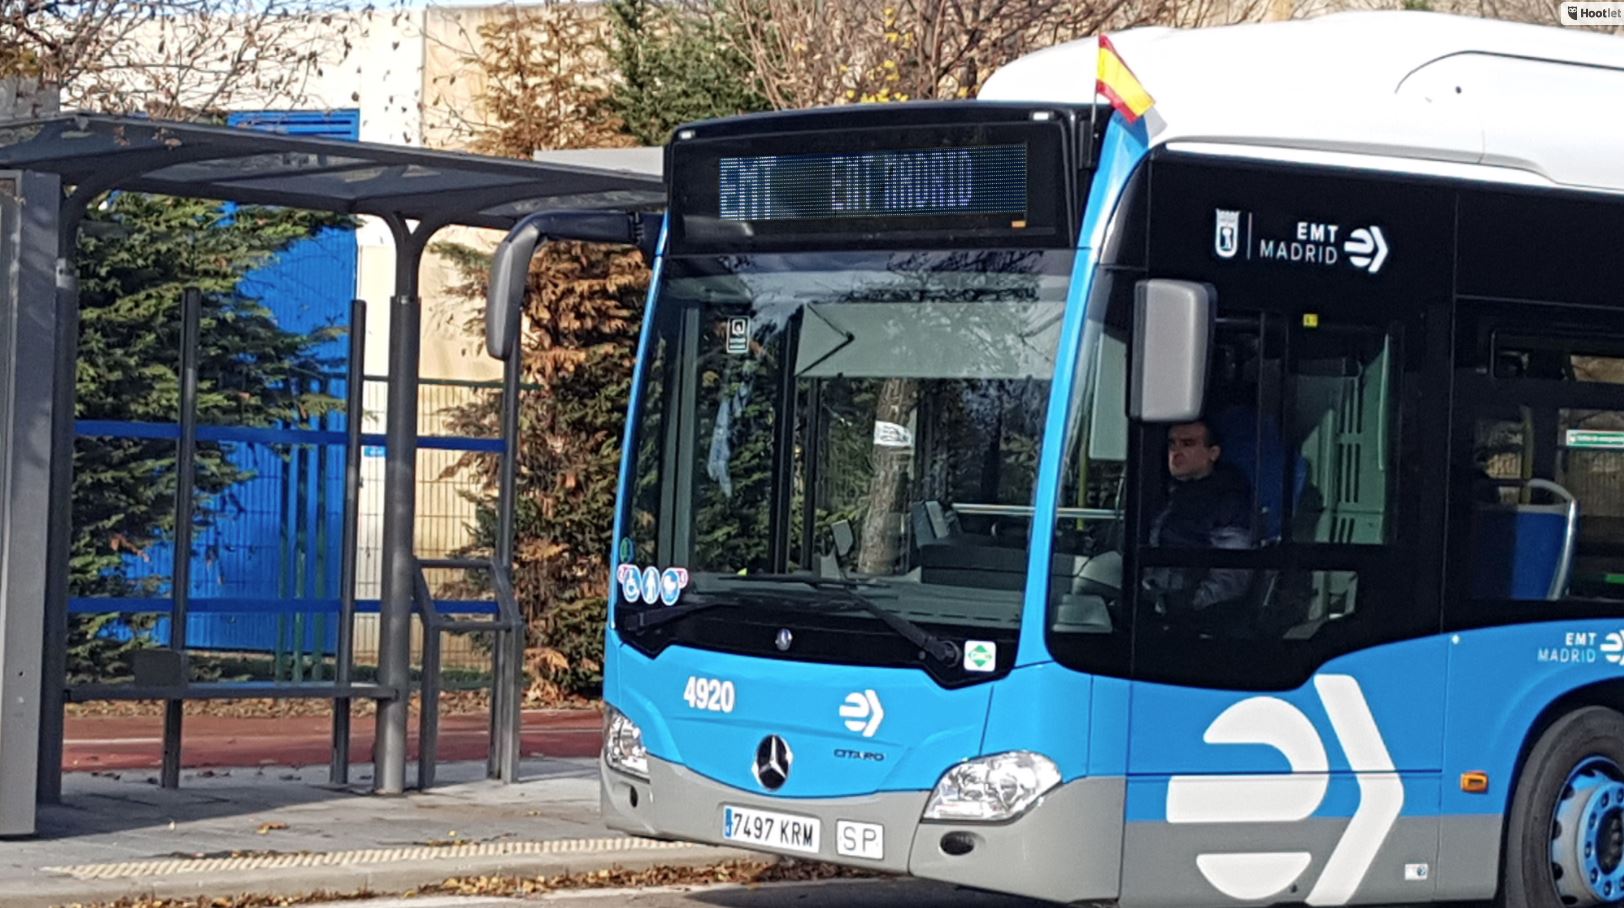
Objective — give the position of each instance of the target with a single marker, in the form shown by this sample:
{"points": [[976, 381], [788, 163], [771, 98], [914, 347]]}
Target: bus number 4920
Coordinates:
{"points": [[709, 694]]}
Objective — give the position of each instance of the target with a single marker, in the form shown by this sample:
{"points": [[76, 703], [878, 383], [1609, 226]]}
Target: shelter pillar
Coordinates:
{"points": [[67, 213], [400, 507], [28, 314]]}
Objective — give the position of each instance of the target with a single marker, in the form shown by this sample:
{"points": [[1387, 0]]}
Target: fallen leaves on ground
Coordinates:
{"points": [[227, 901], [744, 872]]}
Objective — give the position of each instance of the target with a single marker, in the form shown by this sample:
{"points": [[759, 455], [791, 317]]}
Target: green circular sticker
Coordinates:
{"points": [[626, 548]]}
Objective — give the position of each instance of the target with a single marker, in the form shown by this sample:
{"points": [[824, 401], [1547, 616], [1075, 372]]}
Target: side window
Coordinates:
{"points": [[1344, 429], [1282, 548], [1308, 425], [1544, 482], [1088, 627]]}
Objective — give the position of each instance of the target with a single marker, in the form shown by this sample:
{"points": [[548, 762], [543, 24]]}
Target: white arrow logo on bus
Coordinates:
{"points": [[1294, 796], [1366, 248], [862, 712]]}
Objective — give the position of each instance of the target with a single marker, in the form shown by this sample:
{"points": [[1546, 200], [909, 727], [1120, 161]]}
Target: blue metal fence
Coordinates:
{"points": [[276, 536]]}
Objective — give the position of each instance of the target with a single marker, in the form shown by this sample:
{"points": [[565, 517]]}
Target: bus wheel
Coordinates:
{"points": [[1565, 835]]}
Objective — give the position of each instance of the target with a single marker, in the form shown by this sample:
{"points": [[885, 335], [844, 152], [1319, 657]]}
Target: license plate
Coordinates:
{"points": [[860, 840], [770, 829]]}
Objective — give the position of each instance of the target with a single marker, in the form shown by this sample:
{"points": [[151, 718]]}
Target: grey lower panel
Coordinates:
{"points": [[1183, 864], [1469, 856], [1208, 863], [1066, 848]]}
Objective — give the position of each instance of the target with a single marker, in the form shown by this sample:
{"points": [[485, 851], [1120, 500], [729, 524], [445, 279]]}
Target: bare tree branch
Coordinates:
{"points": [[178, 58], [816, 52]]}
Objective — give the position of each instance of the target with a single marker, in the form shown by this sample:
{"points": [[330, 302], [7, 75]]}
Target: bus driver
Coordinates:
{"points": [[1208, 506]]}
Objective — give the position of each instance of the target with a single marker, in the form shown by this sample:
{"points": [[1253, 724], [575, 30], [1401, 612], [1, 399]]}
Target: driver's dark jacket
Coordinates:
{"points": [[1212, 512]]}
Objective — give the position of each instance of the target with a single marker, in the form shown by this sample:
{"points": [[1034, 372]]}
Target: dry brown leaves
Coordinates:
{"points": [[741, 872], [746, 873]]}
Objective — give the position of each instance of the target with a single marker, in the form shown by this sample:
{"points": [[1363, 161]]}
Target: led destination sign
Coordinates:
{"points": [[936, 176], [985, 180]]}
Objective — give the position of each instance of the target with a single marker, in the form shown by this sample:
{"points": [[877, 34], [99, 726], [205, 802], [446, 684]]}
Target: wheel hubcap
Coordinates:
{"points": [[1587, 835]]}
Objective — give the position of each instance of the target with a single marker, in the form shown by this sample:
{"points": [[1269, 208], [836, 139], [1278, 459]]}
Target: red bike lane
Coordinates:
{"points": [[136, 742]]}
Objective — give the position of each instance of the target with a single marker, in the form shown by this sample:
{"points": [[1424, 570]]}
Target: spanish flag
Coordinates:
{"points": [[1118, 83]]}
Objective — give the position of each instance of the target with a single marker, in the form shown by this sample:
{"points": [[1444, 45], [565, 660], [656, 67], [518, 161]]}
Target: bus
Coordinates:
{"points": [[893, 582]]}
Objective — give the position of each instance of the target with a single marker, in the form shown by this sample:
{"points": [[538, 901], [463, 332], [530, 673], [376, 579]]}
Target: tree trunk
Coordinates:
{"points": [[881, 540]]}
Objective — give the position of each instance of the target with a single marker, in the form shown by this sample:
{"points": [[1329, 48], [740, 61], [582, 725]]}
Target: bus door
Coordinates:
{"points": [[1287, 696]]}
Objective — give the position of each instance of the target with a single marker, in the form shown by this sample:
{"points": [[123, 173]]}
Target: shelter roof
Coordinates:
{"points": [[257, 167]]}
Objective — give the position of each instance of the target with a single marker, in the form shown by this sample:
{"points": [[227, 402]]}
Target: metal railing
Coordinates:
{"points": [[169, 676], [507, 657]]}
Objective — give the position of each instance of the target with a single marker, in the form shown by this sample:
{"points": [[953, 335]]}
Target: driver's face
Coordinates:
{"points": [[1189, 456]]}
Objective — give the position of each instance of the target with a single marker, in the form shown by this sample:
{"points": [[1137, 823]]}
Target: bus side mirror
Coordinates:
{"points": [[504, 293], [510, 265], [1172, 337]]}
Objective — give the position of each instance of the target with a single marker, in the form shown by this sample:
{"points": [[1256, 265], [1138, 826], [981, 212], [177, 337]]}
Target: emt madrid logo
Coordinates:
{"points": [[1226, 240], [1294, 796], [1302, 242], [862, 712]]}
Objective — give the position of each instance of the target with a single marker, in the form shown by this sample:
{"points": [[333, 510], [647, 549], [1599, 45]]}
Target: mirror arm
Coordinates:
{"points": [[647, 229], [510, 266]]}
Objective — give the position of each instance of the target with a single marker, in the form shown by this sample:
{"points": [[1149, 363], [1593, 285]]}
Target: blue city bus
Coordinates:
{"points": [[890, 584]]}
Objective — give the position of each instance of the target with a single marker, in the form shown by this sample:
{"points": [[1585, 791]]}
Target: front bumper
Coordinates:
{"points": [[1066, 848]]}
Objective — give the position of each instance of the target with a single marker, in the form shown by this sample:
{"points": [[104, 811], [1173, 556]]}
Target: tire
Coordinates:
{"points": [[1567, 797]]}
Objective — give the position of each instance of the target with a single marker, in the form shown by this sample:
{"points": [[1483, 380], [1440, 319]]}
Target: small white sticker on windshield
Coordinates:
{"points": [[891, 435], [738, 336], [980, 655]]}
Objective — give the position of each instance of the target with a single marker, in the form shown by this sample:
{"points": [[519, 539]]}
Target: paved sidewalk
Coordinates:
{"points": [[279, 830]]}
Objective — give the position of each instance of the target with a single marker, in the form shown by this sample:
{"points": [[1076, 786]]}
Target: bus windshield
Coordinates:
{"points": [[867, 420]]}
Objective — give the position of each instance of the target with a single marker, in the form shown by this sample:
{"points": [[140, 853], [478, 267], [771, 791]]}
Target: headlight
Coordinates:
{"points": [[623, 744], [989, 789]]}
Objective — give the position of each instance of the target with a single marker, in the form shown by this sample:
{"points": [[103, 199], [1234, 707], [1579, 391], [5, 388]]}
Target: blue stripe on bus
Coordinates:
{"points": [[611, 648], [1124, 147]]}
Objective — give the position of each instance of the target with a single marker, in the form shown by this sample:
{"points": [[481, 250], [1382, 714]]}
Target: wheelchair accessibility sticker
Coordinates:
{"points": [[652, 585], [1293, 797]]}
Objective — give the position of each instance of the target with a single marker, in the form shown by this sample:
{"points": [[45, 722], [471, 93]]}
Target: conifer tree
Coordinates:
{"points": [[137, 253], [544, 91], [675, 66]]}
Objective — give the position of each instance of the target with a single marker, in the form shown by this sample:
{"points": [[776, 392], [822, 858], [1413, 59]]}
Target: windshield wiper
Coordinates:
{"points": [[846, 599], [698, 602], [654, 617]]}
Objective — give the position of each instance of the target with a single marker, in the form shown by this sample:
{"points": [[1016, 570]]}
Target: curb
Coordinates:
{"points": [[374, 871]]}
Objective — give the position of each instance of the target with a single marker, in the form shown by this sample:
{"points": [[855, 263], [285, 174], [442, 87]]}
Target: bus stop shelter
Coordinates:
{"points": [[51, 169]]}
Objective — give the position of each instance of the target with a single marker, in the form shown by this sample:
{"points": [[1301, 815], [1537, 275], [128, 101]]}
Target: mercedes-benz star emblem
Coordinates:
{"points": [[784, 640], [773, 757]]}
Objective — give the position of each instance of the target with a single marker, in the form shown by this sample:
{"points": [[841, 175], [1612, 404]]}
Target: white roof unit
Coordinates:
{"points": [[1544, 100]]}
